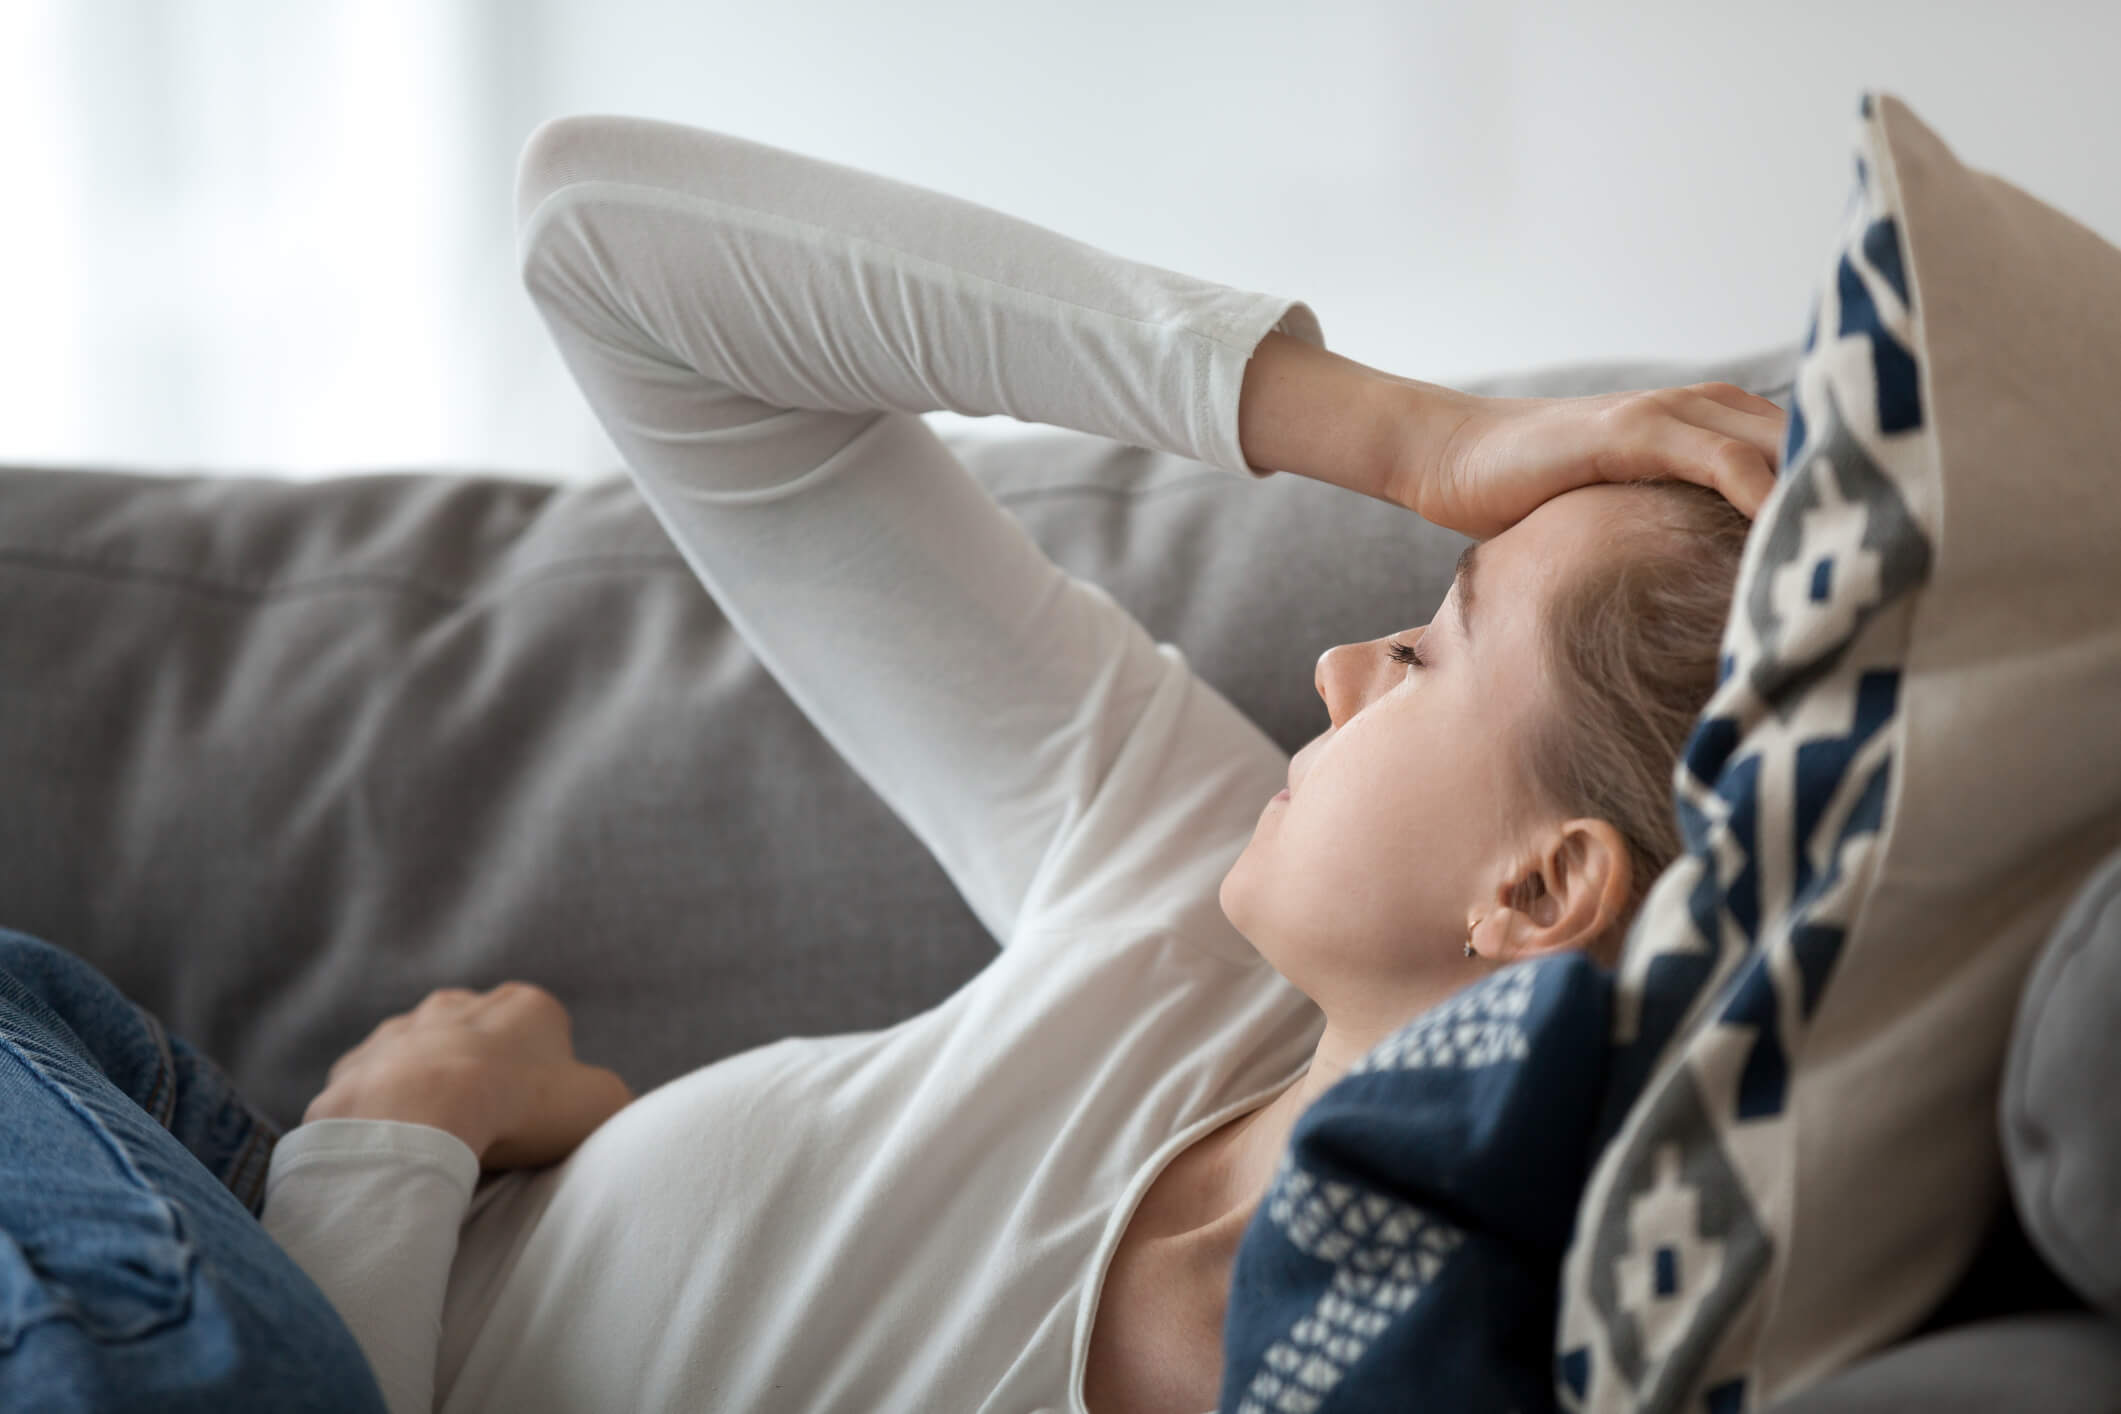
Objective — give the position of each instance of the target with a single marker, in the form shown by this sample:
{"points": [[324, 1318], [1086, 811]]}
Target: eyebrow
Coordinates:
{"points": [[1462, 581]]}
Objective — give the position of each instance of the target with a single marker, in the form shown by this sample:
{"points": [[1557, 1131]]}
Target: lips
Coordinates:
{"points": [[1310, 748]]}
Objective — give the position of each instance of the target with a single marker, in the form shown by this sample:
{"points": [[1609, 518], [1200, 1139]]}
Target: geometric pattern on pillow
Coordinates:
{"points": [[1782, 796], [1406, 1253], [1909, 768], [1384, 1253], [1476, 1027]]}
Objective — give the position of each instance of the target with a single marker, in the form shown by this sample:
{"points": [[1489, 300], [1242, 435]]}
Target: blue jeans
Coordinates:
{"points": [[134, 1274]]}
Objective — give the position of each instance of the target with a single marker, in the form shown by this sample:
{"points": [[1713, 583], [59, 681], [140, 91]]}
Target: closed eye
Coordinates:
{"points": [[1406, 653]]}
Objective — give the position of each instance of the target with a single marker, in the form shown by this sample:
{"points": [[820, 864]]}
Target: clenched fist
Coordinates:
{"points": [[495, 1068]]}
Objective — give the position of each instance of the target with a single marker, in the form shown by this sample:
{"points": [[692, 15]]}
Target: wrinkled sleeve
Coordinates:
{"points": [[369, 1209], [758, 331]]}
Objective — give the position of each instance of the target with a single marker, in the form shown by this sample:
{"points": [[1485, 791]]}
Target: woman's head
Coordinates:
{"points": [[1515, 783]]}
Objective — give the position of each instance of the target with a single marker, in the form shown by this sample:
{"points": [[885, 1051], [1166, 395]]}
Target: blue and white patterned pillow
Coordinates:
{"points": [[1906, 771], [1407, 1253]]}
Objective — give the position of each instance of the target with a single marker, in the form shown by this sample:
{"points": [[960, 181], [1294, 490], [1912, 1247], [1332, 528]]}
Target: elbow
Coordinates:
{"points": [[557, 152]]}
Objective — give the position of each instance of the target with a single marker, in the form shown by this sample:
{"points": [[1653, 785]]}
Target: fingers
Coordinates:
{"points": [[573, 1102], [514, 995], [1737, 413], [1736, 467], [535, 1007], [520, 991], [593, 1094], [1733, 396], [1712, 434]]}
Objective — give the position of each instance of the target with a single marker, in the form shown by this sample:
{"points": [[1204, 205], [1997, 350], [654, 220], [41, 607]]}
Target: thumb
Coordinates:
{"points": [[591, 1095], [569, 1103]]}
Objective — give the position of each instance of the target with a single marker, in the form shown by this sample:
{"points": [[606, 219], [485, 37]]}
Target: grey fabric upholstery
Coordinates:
{"points": [[2064, 1363], [282, 757], [2061, 1131]]}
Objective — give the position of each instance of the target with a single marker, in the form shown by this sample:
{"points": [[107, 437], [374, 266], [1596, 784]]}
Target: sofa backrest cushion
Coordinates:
{"points": [[2061, 1126], [282, 756]]}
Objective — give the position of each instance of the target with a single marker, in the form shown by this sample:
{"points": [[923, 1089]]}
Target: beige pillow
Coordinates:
{"points": [[1909, 768]]}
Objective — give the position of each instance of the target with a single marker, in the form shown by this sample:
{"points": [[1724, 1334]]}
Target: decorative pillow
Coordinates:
{"points": [[1908, 769], [1406, 1254], [2059, 1135]]}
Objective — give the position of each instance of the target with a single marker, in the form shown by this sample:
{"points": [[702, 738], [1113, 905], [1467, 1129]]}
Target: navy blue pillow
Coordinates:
{"points": [[1408, 1252]]}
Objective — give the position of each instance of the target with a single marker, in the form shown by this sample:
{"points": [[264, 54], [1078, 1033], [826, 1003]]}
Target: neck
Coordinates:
{"points": [[1251, 1146], [1240, 1159]]}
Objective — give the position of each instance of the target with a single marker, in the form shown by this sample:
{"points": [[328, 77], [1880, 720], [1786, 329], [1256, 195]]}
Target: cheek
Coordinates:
{"points": [[1391, 833], [1342, 925], [1348, 868], [1368, 849]]}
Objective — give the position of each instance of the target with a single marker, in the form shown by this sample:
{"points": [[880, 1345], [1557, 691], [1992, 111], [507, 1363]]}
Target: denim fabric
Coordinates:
{"points": [[134, 1274]]}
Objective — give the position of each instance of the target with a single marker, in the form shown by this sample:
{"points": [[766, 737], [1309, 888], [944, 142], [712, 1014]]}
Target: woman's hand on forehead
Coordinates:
{"points": [[1479, 465]]}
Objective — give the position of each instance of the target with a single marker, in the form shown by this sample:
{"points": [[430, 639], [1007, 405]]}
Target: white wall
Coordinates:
{"points": [[267, 237]]}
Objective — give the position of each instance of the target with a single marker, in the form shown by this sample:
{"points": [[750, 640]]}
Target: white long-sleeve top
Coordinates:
{"points": [[917, 1218]]}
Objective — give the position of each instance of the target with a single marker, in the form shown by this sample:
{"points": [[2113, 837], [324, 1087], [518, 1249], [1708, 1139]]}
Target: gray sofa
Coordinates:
{"points": [[281, 757]]}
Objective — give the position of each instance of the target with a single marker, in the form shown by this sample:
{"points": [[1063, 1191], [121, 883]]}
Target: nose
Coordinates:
{"points": [[1351, 674]]}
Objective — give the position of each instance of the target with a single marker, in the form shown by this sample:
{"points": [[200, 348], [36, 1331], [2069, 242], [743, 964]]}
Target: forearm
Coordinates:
{"points": [[698, 275], [370, 1212], [1310, 411]]}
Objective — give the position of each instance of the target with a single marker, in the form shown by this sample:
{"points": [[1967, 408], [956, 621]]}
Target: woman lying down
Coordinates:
{"points": [[1029, 1197]]}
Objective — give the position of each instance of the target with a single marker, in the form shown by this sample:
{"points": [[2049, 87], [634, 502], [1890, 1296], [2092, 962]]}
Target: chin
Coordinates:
{"points": [[1237, 907], [1232, 895], [1230, 910]]}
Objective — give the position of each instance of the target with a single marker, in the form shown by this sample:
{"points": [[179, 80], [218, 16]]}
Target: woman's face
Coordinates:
{"points": [[1408, 817]]}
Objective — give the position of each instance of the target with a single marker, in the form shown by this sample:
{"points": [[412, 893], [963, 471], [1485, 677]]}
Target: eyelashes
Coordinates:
{"points": [[1406, 653]]}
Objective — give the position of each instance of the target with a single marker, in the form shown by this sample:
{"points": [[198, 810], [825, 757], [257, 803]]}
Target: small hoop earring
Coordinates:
{"points": [[1469, 942]]}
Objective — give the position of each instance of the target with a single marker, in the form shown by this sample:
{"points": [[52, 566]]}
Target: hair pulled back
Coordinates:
{"points": [[1634, 645]]}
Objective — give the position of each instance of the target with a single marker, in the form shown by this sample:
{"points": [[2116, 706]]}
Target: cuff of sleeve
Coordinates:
{"points": [[325, 1139], [1225, 372]]}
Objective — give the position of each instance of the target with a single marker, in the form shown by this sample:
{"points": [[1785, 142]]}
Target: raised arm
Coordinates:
{"points": [[757, 330], [784, 281]]}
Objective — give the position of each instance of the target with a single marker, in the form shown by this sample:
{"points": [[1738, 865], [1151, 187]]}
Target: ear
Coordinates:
{"points": [[1568, 896]]}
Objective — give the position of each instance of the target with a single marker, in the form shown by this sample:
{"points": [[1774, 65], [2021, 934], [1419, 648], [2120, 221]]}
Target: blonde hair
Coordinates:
{"points": [[1634, 646]]}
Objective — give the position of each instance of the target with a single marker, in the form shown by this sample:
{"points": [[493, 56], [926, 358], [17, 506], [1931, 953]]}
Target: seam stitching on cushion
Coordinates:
{"points": [[272, 589]]}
